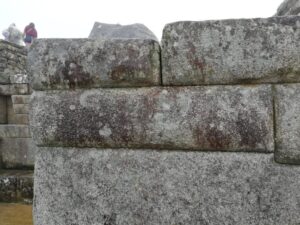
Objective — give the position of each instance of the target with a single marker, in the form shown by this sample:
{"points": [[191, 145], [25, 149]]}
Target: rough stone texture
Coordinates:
{"points": [[289, 7], [12, 60], [3, 108], [17, 152], [229, 118], [16, 186], [106, 31], [76, 186], [287, 103], [86, 63], [19, 79], [14, 131], [231, 51], [20, 99], [14, 89]]}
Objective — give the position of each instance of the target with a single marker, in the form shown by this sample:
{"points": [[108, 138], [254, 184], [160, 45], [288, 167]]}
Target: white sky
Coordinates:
{"points": [[75, 19]]}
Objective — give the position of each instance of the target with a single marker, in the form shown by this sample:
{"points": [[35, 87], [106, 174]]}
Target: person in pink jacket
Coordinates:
{"points": [[30, 34]]}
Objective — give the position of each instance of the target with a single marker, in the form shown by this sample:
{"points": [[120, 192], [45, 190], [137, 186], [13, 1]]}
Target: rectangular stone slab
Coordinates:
{"points": [[86, 63], [92, 186], [287, 102], [231, 51], [225, 118]]}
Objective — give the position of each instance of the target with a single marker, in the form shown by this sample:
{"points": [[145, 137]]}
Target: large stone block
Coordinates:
{"points": [[17, 152], [232, 51], [3, 110], [289, 7], [90, 186], [86, 63], [287, 102], [14, 131], [225, 118], [106, 31]]}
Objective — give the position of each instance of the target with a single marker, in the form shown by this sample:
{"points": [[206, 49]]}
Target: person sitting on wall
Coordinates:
{"points": [[30, 34], [13, 35]]}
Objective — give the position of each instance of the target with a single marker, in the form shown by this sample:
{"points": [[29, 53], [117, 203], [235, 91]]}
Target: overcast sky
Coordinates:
{"points": [[75, 19]]}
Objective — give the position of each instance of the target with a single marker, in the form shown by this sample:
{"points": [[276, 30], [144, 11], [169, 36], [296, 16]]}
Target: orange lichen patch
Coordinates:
{"points": [[15, 214]]}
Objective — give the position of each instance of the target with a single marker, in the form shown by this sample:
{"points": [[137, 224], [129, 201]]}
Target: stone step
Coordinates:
{"points": [[16, 186]]}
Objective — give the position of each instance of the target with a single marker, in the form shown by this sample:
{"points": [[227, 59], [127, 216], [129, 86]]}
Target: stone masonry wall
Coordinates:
{"points": [[16, 147], [202, 130]]}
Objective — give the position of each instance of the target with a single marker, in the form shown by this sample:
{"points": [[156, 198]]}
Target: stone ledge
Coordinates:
{"points": [[223, 118], [93, 186], [86, 63], [232, 51]]}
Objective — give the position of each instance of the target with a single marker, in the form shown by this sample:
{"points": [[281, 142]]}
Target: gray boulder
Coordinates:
{"points": [[289, 7], [117, 31]]}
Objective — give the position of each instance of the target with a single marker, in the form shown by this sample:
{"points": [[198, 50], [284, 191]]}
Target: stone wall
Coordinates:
{"points": [[204, 130], [16, 146]]}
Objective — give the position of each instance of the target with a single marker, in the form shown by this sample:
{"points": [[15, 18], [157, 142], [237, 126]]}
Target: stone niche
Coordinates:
{"points": [[16, 146]]}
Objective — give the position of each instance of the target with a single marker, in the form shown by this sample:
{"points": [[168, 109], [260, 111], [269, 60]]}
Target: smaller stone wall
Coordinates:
{"points": [[16, 146], [12, 60]]}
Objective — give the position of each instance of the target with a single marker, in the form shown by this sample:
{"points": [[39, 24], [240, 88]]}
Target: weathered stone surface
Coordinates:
{"points": [[3, 108], [229, 118], [14, 89], [16, 186], [106, 31], [86, 63], [17, 152], [20, 99], [287, 103], [19, 79], [90, 186], [21, 108], [232, 51], [289, 7], [14, 131]]}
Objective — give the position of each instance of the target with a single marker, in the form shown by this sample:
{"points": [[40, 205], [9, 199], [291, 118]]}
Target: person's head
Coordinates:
{"points": [[31, 24]]}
